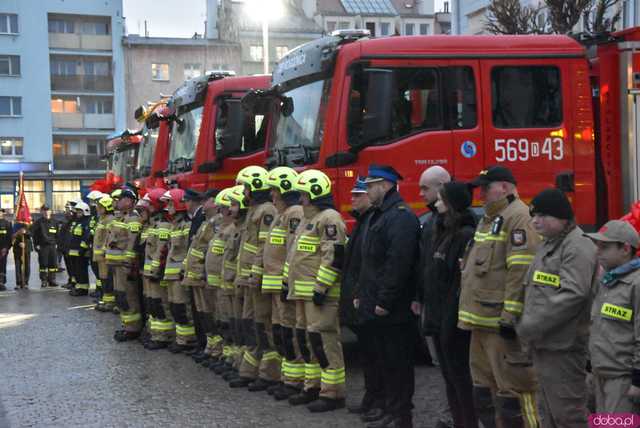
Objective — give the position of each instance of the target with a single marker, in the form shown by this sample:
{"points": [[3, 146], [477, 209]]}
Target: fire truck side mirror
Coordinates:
{"points": [[376, 121]]}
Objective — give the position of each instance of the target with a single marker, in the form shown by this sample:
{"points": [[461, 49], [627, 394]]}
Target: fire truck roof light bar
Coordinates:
{"points": [[351, 33]]}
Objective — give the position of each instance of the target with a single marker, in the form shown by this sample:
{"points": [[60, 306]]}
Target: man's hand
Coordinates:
{"points": [[356, 303], [319, 298], [284, 292], [634, 393], [416, 308], [380, 311], [37, 247]]}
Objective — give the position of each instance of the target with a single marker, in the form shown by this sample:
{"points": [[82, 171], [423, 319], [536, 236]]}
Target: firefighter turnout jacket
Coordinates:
{"points": [[178, 247], [194, 263], [259, 220]]}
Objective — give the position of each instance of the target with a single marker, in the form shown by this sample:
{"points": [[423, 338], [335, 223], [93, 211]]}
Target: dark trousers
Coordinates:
{"points": [[23, 270], [394, 348], [47, 259], [68, 264], [452, 348], [3, 268], [373, 382], [80, 269]]}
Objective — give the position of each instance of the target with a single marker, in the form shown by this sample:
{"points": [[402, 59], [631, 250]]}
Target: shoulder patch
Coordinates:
{"points": [[267, 219], [518, 237], [331, 230], [293, 224]]}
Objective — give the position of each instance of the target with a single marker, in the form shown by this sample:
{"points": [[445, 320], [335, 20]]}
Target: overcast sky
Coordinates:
{"points": [[173, 18]]}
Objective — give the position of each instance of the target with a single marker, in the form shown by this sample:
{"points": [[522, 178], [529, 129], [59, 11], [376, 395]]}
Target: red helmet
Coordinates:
{"points": [[154, 196], [177, 197]]}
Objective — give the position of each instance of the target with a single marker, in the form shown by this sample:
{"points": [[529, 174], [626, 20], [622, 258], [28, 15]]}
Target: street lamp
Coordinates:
{"points": [[264, 11]]}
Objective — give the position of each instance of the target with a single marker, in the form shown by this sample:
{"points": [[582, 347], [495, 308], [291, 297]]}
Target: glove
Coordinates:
{"points": [[37, 247], [284, 292], [319, 298], [507, 331]]}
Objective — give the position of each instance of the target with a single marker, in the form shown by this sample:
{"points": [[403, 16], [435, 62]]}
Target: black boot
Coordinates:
{"points": [[286, 392], [123, 336], [273, 388], [240, 382], [374, 414], [305, 397], [231, 375], [483, 402], [154, 345], [323, 404], [261, 385], [509, 412]]}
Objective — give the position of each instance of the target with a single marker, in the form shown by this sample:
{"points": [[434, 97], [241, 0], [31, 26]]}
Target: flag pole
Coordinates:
{"points": [[24, 241]]}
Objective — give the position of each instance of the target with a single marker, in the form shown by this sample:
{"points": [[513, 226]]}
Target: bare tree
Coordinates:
{"points": [[602, 21], [510, 17], [565, 14]]}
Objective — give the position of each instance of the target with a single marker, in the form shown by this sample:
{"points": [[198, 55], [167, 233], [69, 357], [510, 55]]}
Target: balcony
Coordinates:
{"points": [[80, 41], [81, 82], [82, 121], [78, 162]]}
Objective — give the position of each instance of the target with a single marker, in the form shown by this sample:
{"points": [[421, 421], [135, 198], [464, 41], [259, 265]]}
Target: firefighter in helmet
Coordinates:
{"points": [[79, 249]]}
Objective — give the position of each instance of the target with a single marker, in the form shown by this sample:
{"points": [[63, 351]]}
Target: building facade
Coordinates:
{"points": [[61, 93]]}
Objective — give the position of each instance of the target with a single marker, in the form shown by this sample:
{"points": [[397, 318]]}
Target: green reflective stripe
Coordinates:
{"points": [[278, 231], [327, 275], [229, 265], [482, 236], [134, 227], [194, 275], [108, 298], [217, 250], [131, 254], [172, 271], [214, 280], [226, 350], [250, 359], [271, 356], [155, 263], [75, 253], [147, 268], [219, 242], [333, 376], [227, 285], [52, 230], [186, 230], [164, 283], [513, 306], [312, 371], [258, 270], [214, 340], [185, 330], [98, 282], [334, 291], [262, 236], [130, 318], [245, 271], [250, 248], [309, 239], [158, 325], [304, 288], [285, 270], [293, 370], [474, 319], [519, 259], [82, 286], [98, 252], [164, 236], [197, 253], [272, 282], [84, 245]]}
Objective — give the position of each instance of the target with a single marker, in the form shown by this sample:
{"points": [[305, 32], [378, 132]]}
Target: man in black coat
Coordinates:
{"points": [[44, 232], [386, 290], [5, 244]]}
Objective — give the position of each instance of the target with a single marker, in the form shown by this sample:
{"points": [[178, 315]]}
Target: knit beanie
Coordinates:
{"points": [[552, 202]]}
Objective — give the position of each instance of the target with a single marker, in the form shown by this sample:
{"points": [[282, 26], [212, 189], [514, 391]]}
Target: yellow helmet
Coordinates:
{"points": [[222, 198], [314, 182], [116, 193], [236, 194], [106, 202], [282, 178], [253, 176]]}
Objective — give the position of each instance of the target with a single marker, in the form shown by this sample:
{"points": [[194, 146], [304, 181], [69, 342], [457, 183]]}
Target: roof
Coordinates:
{"points": [[135, 39], [326, 7], [293, 20], [369, 7]]}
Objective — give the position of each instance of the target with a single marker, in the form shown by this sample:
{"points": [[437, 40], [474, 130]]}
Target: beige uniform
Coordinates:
{"points": [[310, 267], [614, 344], [173, 272], [492, 292], [99, 245], [120, 255], [256, 310], [161, 325], [232, 256], [278, 243], [555, 323], [195, 276]]}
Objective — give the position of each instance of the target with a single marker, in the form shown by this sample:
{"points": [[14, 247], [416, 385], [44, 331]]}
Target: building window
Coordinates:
{"points": [[10, 106], [63, 191], [409, 29], [343, 25], [61, 26], [384, 28], [33, 192], [371, 26], [331, 26], [281, 51], [95, 28], [61, 67], [96, 68], [191, 71], [160, 71], [8, 23], [9, 65], [96, 106], [255, 52], [11, 146], [424, 29], [59, 105]]}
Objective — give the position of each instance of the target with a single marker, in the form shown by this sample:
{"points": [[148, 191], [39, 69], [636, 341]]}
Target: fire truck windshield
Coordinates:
{"points": [[185, 131], [296, 136], [145, 154]]}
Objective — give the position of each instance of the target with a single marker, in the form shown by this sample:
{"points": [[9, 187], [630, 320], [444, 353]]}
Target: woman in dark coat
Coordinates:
{"points": [[452, 232]]}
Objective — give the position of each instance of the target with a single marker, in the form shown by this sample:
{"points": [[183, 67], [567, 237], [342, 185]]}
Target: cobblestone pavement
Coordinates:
{"points": [[59, 367]]}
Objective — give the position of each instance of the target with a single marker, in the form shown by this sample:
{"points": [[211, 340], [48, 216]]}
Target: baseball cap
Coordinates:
{"points": [[493, 174], [617, 231]]}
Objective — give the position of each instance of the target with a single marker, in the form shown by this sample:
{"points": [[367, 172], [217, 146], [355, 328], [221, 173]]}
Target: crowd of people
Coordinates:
{"points": [[255, 281]]}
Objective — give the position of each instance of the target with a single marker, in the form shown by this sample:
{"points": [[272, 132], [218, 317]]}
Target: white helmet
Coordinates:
{"points": [[82, 206], [94, 195]]}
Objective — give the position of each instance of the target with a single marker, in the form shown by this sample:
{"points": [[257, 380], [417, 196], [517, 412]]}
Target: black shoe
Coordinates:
{"points": [[174, 348], [53, 284], [358, 409], [261, 385], [222, 369], [240, 382], [286, 392], [323, 404], [305, 397], [79, 292], [190, 350], [394, 422], [68, 286], [231, 374], [154, 345], [123, 336], [3, 287], [273, 388], [381, 423], [199, 357], [94, 294], [372, 415]]}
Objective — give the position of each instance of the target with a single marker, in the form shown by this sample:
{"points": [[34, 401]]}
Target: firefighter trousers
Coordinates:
{"points": [[284, 316], [237, 326], [47, 260], [80, 270], [23, 270], [126, 290], [161, 325], [562, 377], [254, 314], [504, 381], [105, 273], [224, 315], [204, 298], [3, 267], [180, 304], [270, 358]]}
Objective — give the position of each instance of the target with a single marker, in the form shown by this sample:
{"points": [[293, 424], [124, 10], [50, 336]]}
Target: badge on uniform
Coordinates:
{"points": [[518, 238], [267, 219], [293, 224], [331, 231]]}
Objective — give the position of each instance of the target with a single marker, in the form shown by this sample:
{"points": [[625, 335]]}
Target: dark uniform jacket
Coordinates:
{"points": [[5, 234], [44, 231], [17, 239], [80, 238], [389, 251], [64, 234], [442, 274], [196, 221]]}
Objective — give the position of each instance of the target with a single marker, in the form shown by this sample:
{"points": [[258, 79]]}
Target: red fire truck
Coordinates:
{"points": [[211, 136], [556, 111], [154, 147], [122, 152]]}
